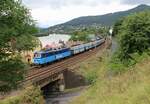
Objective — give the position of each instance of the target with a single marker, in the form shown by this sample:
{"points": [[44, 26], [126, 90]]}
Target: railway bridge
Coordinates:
{"points": [[55, 72]]}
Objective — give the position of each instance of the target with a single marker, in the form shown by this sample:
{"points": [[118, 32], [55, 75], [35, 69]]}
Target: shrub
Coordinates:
{"points": [[31, 95], [134, 35], [91, 77]]}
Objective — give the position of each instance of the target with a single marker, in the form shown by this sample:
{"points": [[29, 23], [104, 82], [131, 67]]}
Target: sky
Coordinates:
{"points": [[51, 12]]}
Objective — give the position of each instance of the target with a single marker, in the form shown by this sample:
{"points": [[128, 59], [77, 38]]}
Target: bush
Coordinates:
{"points": [[91, 77], [31, 95], [133, 34], [117, 66]]}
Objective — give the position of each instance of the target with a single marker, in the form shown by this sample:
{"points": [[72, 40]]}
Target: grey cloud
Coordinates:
{"points": [[55, 4], [134, 2]]}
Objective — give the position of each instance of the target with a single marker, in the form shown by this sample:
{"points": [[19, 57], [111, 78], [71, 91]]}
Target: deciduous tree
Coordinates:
{"points": [[134, 35], [16, 35]]}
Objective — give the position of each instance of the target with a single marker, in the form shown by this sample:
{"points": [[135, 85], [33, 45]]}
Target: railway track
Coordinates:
{"points": [[55, 64], [44, 72]]}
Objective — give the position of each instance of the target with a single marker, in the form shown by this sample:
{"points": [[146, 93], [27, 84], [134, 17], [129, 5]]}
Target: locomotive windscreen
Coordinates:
{"points": [[37, 55]]}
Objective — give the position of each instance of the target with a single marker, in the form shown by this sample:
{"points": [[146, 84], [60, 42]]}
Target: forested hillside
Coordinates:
{"points": [[95, 21]]}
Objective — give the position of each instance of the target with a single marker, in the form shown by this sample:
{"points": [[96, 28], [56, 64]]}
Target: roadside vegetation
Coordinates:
{"points": [[130, 87], [133, 36], [30, 95], [121, 78], [16, 35]]}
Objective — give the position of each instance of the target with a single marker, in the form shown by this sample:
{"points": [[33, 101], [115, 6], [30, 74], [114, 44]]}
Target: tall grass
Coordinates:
{"points": [[130, 87], [31, 95]]}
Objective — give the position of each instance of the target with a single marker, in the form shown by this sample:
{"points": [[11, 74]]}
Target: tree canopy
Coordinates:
{"points": [[84, 34], [133, 34], [79, 36], [117, 27], [16, 34]]}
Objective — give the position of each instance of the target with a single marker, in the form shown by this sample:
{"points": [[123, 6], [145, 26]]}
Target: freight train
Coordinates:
{"points": [[48, 56]]}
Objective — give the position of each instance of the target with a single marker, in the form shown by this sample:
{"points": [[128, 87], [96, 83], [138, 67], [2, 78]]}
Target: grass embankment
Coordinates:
{"points": [[129, 87], [31, 95]]}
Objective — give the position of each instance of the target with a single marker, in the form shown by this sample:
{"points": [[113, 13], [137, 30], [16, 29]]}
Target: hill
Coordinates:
{"points": [[95, 21]]}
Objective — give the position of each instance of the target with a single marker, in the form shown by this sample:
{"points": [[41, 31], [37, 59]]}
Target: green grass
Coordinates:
{"points": [[130, 87]]}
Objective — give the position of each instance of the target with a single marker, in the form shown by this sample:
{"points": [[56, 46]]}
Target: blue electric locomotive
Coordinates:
{"points": [[47, 56]]}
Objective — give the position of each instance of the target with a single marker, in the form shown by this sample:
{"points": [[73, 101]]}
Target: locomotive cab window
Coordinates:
{"points": [[43, 55], [37, 55], [47, 54]]}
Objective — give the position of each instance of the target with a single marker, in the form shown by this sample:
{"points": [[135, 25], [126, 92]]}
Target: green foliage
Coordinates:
{"points": [[16, 30], [26, 42], [42, 32], [133, 37], [116, 66], [31, 95], [11, 72], [117, 27], [103, 31], [91, 77], [13, 100], [79, 37], [84, 34], [130, 87]]}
